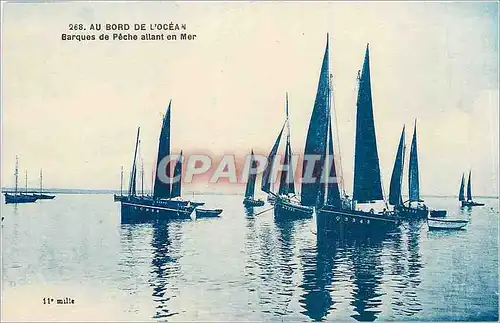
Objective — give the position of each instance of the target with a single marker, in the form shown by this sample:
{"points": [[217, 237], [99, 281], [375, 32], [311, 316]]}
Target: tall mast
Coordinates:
{"points": [[41, 181], [142, 176], [16, 173], [287, 120], [132, 184], [142, 168], [121, 181], [26, 180]]}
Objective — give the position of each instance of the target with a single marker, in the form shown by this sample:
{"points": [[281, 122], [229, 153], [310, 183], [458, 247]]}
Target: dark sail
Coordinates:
{"points": [[161, 189], [177, 182], [333, 192], [413, 181], [286, 181], [250, 189], [461, 196], [133, 173], [367, 183], [397, 173], [266, 175], [316, 139], [469, 189]]}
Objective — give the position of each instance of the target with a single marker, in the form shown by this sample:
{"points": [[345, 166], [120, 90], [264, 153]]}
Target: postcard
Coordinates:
{"points": [[249, 161]]}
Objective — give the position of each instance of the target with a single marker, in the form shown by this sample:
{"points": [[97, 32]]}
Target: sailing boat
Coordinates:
{"points": [[117, 197], [395, 196], [166, 202], [19, 197], [461, 198], [418, 210], [266, 175], [286, 203], [42, 196], [249, 199], [335, 215]]}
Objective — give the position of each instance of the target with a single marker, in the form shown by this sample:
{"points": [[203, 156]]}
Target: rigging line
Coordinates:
{"points": [[264, 211], [337, 138], [356, 90]]}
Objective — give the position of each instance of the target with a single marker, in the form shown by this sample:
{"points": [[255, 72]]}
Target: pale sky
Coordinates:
{"points": [[73, 108]]}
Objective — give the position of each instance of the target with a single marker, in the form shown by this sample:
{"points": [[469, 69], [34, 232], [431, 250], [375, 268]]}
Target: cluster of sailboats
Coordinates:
{"points": [[20, 196], [336, 212], [166, 200]]}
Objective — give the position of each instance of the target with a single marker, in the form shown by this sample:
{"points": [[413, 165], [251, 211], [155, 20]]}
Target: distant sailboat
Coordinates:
{"points": [[42, 196], [335, 216], [395, 196], [166, 202], [266, 185], [418, 210], [249, 199], [461, 198], [117, 197], [19, 197], [287, 204]]}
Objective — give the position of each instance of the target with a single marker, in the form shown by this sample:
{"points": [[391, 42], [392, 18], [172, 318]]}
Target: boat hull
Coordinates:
{"points": [[284, 209], [442, 224], [343, 223], [411, 213], [44, 196], [471, 203], [19, 198], [137, 210], [206, 213], [252, 202]]}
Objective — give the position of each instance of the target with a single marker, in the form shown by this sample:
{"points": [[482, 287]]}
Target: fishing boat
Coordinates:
{"points": [[415, 209], [437, 213], [337, 216], [446, 224], [116, 197], [17, 196], [287, 204], [166, 201], [267, 181], [40, 195], [461, 197], [249, 199], [208, 213]]}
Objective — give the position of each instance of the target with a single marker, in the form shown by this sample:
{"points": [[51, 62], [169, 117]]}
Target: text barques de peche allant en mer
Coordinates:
{"points": [[127, 32]]}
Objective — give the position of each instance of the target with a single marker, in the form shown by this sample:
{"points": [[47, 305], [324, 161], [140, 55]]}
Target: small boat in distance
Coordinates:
{"points": [[117, 197], [19, 197], [287, 204], [446, 224], [249, 199], [207, 213], [461, 197], [418, 210], [40, 195]]}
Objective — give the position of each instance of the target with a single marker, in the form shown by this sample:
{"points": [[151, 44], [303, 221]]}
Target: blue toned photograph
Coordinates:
{"points": [[249, 161]]}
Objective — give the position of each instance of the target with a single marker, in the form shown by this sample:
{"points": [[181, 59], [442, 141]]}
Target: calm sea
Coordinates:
{"points": [[240, 267]]}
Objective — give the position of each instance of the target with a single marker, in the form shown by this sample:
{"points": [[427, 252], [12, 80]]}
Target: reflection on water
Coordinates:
{"points": [[248, 266], [165, 265], [319, 272]]}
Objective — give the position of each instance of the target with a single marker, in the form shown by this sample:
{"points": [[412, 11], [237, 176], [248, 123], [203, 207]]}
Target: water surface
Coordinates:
{"points": [[240, 267]]}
